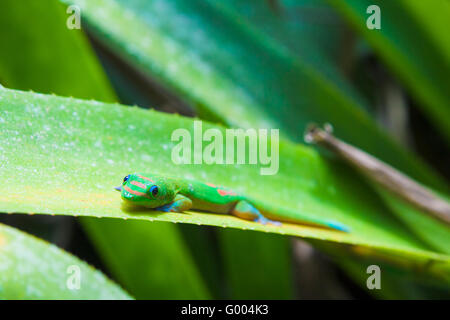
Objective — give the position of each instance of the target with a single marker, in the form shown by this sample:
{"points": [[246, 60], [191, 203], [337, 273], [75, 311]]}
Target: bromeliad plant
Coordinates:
{"points": [[63, 156]]}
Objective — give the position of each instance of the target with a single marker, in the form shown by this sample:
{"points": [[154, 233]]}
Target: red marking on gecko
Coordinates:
{"points": [[145, 178], [138, 184], [211, 185], [136, 193], [225, 192]]}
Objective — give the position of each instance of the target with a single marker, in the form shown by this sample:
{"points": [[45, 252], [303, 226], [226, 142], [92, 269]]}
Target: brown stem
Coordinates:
{"points": [[383, 174]]}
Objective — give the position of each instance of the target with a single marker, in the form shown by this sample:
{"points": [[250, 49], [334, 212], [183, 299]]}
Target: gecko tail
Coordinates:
{"points": [[338, 226]]}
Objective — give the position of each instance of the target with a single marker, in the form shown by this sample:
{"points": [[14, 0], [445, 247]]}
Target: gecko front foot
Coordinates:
{"points": [[179, 204]]}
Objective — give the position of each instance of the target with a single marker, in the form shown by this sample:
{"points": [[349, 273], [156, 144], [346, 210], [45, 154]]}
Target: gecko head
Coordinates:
{"points": [[146, 190]]}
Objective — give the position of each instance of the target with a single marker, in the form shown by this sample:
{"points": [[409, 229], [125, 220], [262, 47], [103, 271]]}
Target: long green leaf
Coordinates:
{"points": [[244, 78], [70, 68], [33, 269], [67, 154]]}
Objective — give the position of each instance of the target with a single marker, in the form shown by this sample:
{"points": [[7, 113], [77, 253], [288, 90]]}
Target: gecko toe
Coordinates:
{"points": [[264, 221]]}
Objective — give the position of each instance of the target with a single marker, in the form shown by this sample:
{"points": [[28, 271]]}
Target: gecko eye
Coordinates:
{"points": [[154, 190], [126, 178]]}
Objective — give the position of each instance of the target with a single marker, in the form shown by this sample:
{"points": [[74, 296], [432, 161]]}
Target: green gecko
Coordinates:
{"points": [[178, 195]]}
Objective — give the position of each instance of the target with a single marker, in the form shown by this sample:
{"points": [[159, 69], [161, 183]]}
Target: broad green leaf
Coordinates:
{"points": [[47, 19], [414, 43], [243, 77], [68, 154], [34, 269], [70, 68]]}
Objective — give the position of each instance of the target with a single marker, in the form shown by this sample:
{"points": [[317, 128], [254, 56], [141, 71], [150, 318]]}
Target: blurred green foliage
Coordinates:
{"points": [[246, 63]]}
